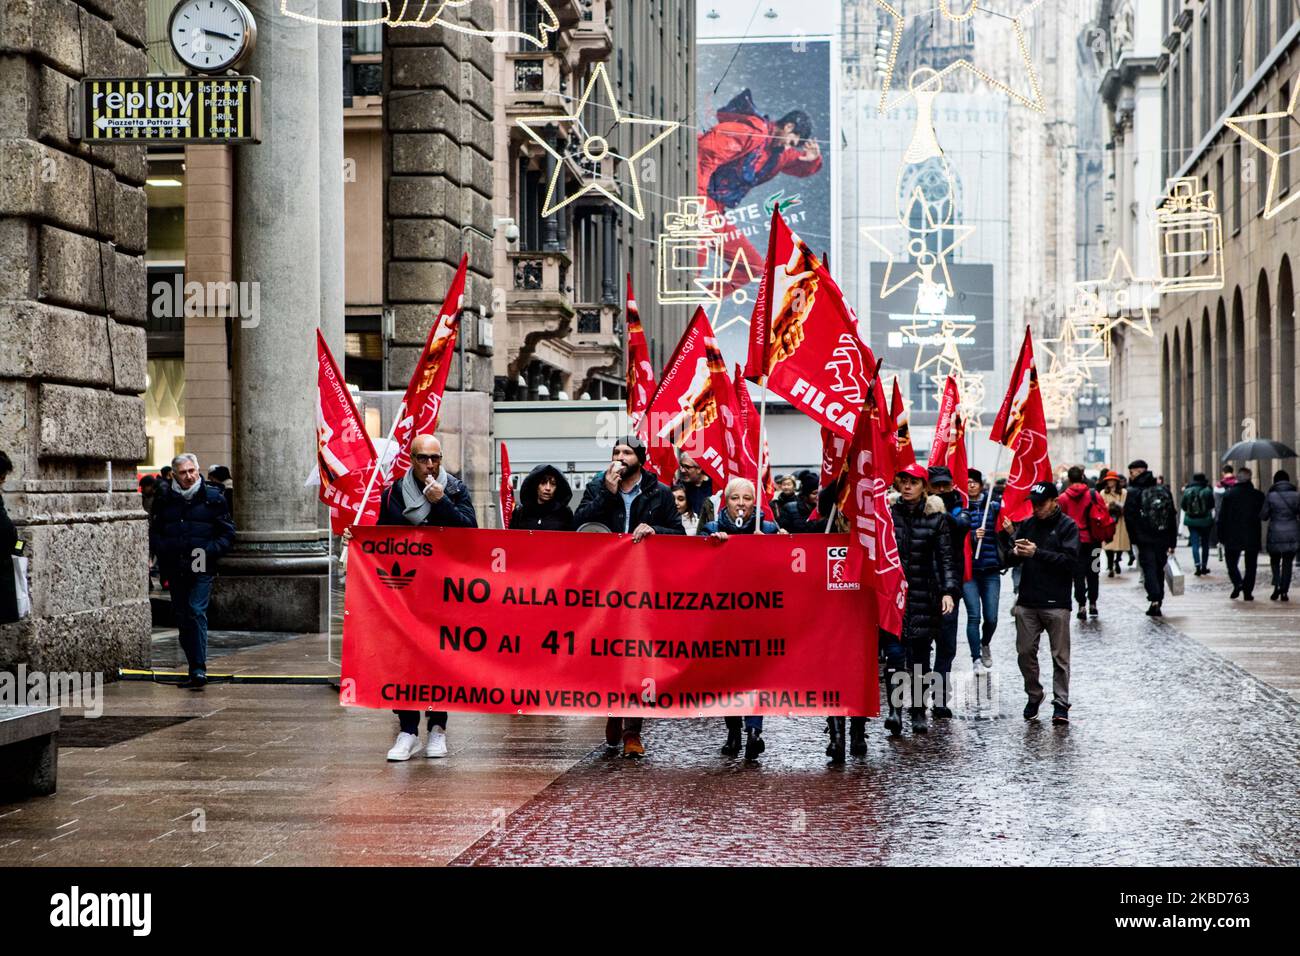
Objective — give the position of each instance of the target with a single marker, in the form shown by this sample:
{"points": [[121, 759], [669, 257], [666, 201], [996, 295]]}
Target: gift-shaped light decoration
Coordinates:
{"points": [[1189, 238], [691, 254]]}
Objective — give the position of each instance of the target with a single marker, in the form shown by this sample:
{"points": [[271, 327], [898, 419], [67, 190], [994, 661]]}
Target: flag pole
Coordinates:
{"points": [[762, 443], [374, 472], [871, 391], [988, 504]]}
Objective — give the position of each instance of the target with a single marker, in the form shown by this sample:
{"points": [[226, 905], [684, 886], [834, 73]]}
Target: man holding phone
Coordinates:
{"points": [[1046, 548]]}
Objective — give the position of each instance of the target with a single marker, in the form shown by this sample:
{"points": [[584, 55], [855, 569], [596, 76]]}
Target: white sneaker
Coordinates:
{"points": [[406, 747], [437, 743], [976, 666]]}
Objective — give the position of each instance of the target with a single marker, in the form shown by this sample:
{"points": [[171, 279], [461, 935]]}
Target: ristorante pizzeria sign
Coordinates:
{"points": [[178, 109]]}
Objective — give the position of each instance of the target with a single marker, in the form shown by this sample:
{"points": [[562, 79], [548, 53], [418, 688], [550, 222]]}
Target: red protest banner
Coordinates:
{"points": [[561, 623]]}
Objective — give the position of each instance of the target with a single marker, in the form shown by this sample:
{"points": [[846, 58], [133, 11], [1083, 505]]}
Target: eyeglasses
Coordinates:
{"points": [[427, 459]]}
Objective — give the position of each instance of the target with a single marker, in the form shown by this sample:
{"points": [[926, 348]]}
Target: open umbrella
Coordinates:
{"points": [[1258, 449]]}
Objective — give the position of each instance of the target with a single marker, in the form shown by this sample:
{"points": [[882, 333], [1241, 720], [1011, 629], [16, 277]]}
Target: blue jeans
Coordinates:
{"points": [[1200, 543], [751, 723], [190, 593], [981, 591]]}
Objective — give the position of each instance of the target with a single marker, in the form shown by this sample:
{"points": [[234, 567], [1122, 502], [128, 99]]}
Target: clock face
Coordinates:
{"points": [[209, 35]]}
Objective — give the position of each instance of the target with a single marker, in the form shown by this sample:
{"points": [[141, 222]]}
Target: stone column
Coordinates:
{"points": [[73, 229], [275, 577], [329, 42]]}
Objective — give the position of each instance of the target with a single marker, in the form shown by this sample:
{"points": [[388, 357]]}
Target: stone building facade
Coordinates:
{"points": [[72, 339]]}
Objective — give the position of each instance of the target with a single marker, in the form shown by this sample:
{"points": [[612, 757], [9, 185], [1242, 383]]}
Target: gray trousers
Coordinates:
{"points": [[1030, 624]]}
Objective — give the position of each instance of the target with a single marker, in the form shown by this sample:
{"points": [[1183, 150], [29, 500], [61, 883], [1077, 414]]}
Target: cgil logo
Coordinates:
{"points": [[837, 567], [389, 546], [77, 909]]}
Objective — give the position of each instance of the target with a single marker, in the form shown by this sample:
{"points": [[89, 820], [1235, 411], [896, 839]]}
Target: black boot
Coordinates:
{"points": [[732, 746], [858, 736], [754, 744], [894, 722], [836, 749], [919, 723]]}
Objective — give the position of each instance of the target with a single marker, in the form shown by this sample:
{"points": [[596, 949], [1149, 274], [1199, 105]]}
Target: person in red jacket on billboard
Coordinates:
{"points": [[746, 149]]}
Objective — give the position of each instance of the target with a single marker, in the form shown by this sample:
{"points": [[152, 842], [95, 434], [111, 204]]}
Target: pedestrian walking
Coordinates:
{"points": [[1113, 493], [1227, 479], [690, 521], [945, 651], [1152, 523], [1197, 506], [1282, 512], [737, 517], [543, 503], [1046, 546], [428, 495], [1091, 516], [9, 547], [1240, 516], [190, 528], [627, 499], [981, 593], [933, 585]]}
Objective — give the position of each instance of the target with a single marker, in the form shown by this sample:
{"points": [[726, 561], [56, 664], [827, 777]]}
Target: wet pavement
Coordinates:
{"points": [[1173, 756]]}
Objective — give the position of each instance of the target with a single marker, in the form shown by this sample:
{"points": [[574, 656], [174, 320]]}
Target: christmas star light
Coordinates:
{"points": [[739, 296], [595, 147], [1239, 124], [916, 246], [422, 14], [1113, 296], [994, 20]]}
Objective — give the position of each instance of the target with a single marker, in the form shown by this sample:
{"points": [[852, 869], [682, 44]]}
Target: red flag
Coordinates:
{"points": [[812, 356], [1022, 427], [949, 446], [904, 454], [694, 409], [835, 450], [345, 455], [418, 413], [750, 428], [507, 492], [640, 371], [873, 550]]}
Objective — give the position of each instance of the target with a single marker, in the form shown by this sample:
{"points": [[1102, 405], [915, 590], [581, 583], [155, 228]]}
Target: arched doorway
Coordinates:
{"points": [[1263, 359], [1188, 461], [1238, 367], [1286, 390], [1222, 387], [1205, 410], [1166, 405], [1174, 461]]}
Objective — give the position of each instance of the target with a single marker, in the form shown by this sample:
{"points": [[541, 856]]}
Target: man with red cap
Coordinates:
{"points": [[922, 530]]}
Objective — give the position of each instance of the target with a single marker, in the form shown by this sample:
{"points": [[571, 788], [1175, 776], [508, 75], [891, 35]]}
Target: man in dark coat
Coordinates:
{"points": [[1151, 518], [922, 530], [543, 503], [628, 499], [190, 528], [10, 545], [1239, 532], [1046, 548]]}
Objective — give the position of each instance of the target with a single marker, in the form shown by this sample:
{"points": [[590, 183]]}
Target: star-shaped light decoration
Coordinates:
{"points": [[1257, 124], [740, 293], [992, 22], [422, 13], [595, 147], [1114, 297], [916, 246]]}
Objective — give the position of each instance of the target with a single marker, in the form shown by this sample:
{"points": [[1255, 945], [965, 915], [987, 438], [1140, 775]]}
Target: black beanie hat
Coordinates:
{"points": [[636, 444]]}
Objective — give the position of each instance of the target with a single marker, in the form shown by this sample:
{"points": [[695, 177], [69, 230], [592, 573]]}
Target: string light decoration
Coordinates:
{"points": [[594, 147], [1114, 297], [1188, 229], [422, 13], [690, 254], [917, 246], [739, 297], [970, 385], [992, 21], [1241, 125]]}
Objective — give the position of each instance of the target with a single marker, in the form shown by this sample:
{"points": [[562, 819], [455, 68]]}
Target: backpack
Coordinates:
{"points": [[1101, 524], [1194, 503], [1157, 509]]}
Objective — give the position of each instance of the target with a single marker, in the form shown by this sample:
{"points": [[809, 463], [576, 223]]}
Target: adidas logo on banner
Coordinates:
{"points": [[396, 578]]}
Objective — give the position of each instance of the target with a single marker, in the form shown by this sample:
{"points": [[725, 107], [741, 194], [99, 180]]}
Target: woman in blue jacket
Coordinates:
{"points": [[980, 594]]}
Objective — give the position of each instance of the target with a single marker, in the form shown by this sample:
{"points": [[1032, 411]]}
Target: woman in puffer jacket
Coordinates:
{"points": [[1282, 512], [737, 517], [921, 528]]}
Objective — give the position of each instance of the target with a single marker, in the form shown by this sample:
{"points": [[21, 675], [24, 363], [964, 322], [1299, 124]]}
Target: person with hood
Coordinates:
{"points": [[1152, 523], [1046, 545], [980, 594], [737, 517], [1239, 529], [627, 499], [690, 521], [1113, 493], [1197, 506], [1282, 512], [924, 537], [746, 149], [427, 495], [940, 479], [1077, 501], [190, 528], [543, 503]]}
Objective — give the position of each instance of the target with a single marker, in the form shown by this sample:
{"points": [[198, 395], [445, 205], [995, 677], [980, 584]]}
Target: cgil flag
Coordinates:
{"points": [[345, 455], [904, 454], [804, 338], [418, 413], [751, 429], [507, 498], [949, 446], [1022, 427], [640, 371]]}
